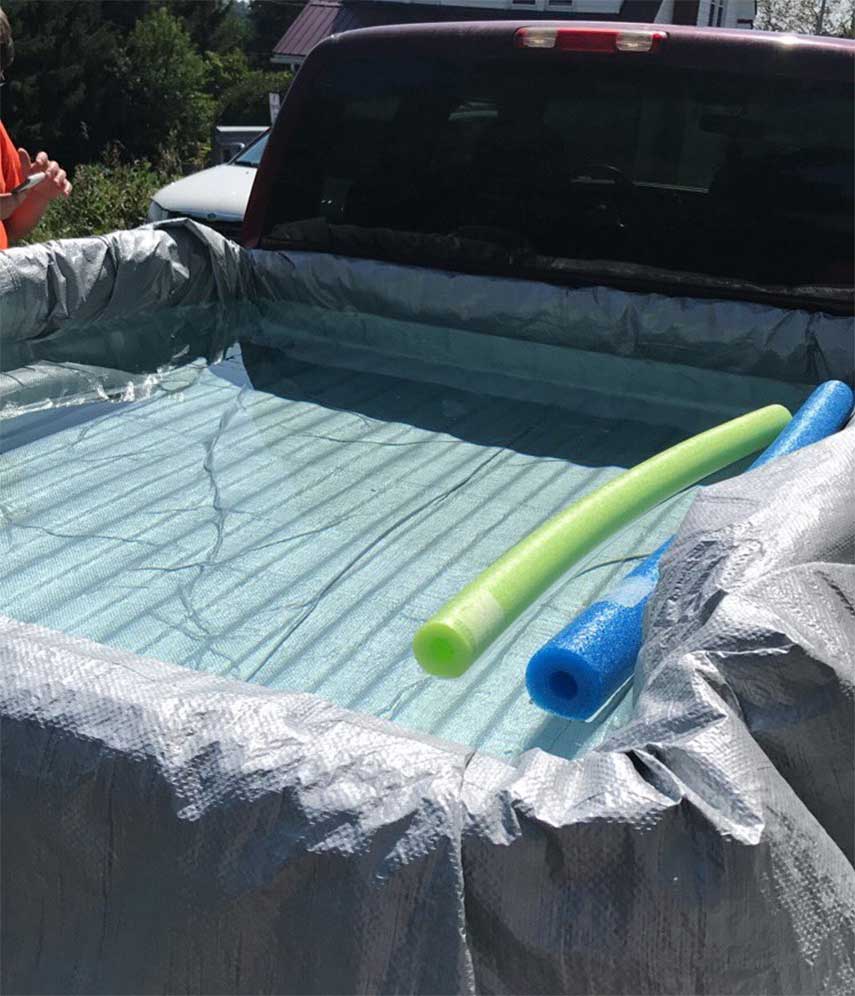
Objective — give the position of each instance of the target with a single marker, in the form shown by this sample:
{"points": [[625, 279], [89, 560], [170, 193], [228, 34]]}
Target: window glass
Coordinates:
{"points": [[593, 159], [251, 155]]}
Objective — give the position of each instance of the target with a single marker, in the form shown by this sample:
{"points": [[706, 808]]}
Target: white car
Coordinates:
{"points": [[217, 196]]}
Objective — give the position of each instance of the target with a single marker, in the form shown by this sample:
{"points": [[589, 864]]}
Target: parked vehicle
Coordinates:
{"points": [[216, 196], [230, 140]]}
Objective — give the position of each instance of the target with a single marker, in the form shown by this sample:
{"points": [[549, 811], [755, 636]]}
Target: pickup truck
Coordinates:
{"points": [[486, 269]]}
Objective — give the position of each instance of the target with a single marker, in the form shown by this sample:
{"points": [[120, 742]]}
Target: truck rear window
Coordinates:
{"points": [[688, 170]]}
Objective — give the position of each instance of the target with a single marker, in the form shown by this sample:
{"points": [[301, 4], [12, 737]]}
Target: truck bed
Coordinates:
{"points": [[291, 514]]}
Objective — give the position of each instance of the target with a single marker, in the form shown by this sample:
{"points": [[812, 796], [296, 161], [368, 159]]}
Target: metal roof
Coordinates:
{"points": [[316, 21]]}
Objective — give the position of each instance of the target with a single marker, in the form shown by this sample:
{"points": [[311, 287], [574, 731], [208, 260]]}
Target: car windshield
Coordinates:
{"points": [[251, 155], [705, 172]]}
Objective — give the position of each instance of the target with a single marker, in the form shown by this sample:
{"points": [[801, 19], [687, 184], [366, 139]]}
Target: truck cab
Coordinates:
{"points": [[661, 158]]}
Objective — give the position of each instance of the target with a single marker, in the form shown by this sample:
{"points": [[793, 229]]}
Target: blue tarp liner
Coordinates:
{"points": [[220, 465]]}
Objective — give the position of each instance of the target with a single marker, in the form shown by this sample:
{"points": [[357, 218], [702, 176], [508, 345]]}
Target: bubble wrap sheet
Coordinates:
{"points": [[165, 830]]}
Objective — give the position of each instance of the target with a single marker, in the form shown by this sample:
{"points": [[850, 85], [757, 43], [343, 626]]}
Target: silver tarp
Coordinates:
{"points": [[165, 830], [69, 303]]}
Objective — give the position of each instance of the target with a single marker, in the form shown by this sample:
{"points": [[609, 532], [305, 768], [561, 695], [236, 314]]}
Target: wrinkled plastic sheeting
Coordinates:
{"points": [[115, 276], [166, 831], [84, 319], [732, 336], [427, 427], [67, 305], [759, 597]]}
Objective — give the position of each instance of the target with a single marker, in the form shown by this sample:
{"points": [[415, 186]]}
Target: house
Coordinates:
{"points": [[321, 18]]}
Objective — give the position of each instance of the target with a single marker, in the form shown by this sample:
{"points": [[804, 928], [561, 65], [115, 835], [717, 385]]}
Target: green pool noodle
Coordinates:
{"points": [[448, 643]]}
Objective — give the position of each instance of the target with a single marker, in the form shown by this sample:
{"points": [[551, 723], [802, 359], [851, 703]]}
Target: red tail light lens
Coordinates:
{"points": [[602, 40]]}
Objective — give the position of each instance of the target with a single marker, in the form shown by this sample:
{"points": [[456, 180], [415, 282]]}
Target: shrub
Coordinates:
{"points": [[246, 101], [163, 99], [107, 196]]}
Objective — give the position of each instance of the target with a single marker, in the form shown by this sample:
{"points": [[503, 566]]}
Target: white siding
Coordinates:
{"points": [[590, 7], [666, 12], [732, 10], [741, 10]]}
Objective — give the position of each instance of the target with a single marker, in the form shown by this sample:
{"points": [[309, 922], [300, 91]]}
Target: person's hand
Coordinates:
{"points": [[55, 183], [9, 204]]}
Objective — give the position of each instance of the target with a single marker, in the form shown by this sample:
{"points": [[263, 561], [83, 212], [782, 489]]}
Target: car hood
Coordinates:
{"points": [[216, 194]]}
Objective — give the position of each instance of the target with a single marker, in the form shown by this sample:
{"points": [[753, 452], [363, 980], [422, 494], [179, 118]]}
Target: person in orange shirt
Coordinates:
{"points": [[20, 213]]}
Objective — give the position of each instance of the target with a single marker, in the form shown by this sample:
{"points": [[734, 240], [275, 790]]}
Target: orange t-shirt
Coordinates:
{"points": [[10, 174]]}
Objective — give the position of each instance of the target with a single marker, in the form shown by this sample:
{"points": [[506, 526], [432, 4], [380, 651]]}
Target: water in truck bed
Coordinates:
{"points": [[292, 523]]}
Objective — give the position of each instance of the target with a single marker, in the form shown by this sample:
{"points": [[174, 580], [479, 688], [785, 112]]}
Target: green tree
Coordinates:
{"points": [[161, 91], [108, 196], [269, 20], [146, 74], [808, 17], [56, 99], [247, 101], [225, 70], [123, 14], [213, 25]]}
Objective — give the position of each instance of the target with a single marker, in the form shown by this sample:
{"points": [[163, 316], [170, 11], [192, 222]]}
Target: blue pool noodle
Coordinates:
{"points": [[576, 673]]}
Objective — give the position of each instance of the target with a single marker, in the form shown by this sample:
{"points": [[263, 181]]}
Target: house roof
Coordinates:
{"points": [[316, 21], [321, 18]]}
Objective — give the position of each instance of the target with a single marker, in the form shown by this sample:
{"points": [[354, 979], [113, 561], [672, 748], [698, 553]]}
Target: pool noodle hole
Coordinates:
{"points": [[563, 685]]}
